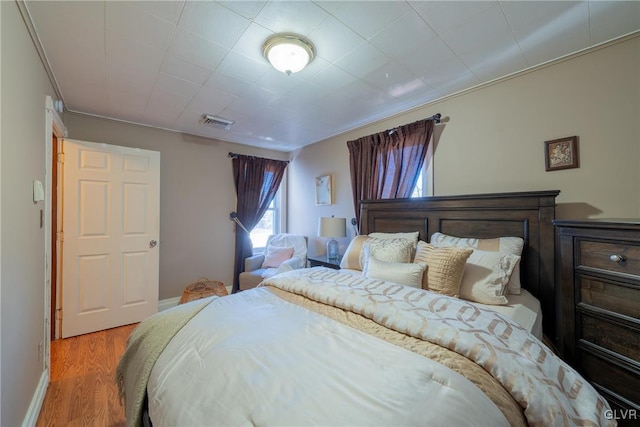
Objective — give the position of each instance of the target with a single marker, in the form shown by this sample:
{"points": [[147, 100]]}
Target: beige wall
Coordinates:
{"points": [[196, 195], [24, 88], [491, 140]]}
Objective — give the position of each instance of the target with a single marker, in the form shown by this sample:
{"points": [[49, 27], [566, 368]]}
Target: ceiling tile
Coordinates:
{"points": [[184, 69], [160, 99], [333, 39], [362, 18], [251, 42], [449, 76], [197, 50], [497, 58], [474, 34], [122, 103], [401, 36], [168, 83], [389, 76], [252, 105], [243, 68], [224, 83], [427, 57], [362, 60], [136, 24], [276, 82], [211, 101], [443, 15], [213, 21], [76, 17], [610, 19], [299, 17], [332, 78], [553, 31], [167, 10], [131, 66], [90, 99], [245, 8]]}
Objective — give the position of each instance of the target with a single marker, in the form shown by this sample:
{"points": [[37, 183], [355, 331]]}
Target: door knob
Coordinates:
{"points": [[153, 243]]}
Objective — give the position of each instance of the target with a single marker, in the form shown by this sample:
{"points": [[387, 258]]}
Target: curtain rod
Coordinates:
{"points": [[234, 155], [435, 118]]}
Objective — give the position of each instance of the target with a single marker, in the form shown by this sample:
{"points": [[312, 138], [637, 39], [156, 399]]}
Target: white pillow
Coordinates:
{"points": [[404, 273], [389, 250], [506, 245], [486, 275]]}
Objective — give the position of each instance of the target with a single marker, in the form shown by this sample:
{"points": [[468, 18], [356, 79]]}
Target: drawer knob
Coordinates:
{"points": [[617, 258]]}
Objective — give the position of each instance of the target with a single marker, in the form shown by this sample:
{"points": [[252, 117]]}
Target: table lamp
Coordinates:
{"points": [[332, 227]]}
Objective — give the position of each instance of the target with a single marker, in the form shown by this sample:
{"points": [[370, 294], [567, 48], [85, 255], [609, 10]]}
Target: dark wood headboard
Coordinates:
{"points": [[527, 214]]}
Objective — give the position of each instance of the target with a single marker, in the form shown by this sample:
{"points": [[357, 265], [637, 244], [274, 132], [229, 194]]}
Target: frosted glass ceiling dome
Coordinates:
{"points": [[288, 53]]}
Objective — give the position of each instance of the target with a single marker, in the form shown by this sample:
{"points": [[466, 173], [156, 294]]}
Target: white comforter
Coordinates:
{"points": [[254, 359]]}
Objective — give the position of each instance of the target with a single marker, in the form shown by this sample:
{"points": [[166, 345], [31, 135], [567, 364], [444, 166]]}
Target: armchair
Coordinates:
{"points": [[254, 266]]}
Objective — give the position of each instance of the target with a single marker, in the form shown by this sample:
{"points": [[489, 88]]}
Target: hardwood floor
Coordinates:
{"points": [[82, 389]]}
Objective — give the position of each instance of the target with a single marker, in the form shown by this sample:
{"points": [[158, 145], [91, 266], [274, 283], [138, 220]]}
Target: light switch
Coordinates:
{"points": [[38, 191]]}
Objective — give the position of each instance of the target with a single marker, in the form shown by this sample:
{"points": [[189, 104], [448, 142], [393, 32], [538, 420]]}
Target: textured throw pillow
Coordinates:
{"points": [[506, 245], [389, 250], [486, 275], [404, 273], [410, 236], [351, 258], [276, 256], [445, 267]]}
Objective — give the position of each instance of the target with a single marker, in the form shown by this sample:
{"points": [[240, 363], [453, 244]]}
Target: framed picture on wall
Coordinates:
{"points": [[561, 153], [323, 190]]}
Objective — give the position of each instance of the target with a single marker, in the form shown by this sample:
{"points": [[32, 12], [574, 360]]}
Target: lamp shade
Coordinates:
{"points": [[332, 227]]}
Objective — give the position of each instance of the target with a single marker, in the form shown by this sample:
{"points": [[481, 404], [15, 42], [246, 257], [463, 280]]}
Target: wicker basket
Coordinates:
{"points": [[203, 288]]}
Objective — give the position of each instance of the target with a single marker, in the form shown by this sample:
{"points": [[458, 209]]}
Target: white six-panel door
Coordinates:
{"points": [[111, 224]]}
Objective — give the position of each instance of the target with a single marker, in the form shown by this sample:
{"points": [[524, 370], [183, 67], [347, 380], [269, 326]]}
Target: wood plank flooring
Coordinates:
{"points": [[82, 389]]}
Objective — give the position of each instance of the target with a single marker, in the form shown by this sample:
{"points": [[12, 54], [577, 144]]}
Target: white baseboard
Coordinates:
{"points": [[31, 417], [164, 304]]}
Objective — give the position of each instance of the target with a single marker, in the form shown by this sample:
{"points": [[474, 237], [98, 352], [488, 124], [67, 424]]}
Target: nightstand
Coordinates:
{"points": [[322, 261]]}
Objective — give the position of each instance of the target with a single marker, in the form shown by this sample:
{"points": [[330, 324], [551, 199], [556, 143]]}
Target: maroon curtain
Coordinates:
{"points": [[257, 181], [386, 165]]}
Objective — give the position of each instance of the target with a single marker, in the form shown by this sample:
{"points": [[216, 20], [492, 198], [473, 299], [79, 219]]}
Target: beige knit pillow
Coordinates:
{"points": [[445, 267], [506, 245]]}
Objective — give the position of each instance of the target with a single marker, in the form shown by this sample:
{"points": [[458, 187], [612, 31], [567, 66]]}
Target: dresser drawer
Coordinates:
{"points": [[609, 296], [597, 255], [612, 336], [610, 376]]}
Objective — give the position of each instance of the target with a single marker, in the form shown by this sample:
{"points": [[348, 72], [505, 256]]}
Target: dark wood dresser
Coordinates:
{"points": [[598, 310]]}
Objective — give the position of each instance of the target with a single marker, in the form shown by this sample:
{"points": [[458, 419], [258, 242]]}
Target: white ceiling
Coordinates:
{"points": [[165, 63]]}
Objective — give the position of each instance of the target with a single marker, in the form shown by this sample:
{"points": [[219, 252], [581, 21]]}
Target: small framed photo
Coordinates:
{"points": [[323, 190], [561, 153]]}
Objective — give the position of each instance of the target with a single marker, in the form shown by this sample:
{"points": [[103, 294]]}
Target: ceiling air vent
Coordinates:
{"points": [[216, 122]]}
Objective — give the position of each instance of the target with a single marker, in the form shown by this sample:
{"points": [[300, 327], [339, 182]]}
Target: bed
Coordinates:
{"points": [[327, 347]]}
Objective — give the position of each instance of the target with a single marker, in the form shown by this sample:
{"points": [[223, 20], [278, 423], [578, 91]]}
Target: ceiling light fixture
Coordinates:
{"points": [[288, 52]]}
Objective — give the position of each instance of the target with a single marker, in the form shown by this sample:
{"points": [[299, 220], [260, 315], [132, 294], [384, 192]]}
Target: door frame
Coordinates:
{"points": [[54, 127]]}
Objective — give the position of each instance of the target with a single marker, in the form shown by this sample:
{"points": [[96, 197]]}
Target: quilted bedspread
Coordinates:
{"points": [[550, 391]]}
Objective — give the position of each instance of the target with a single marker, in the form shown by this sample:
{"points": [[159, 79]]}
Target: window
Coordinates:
{"points": [[424, 183], [268, 225], [417, 190]]}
